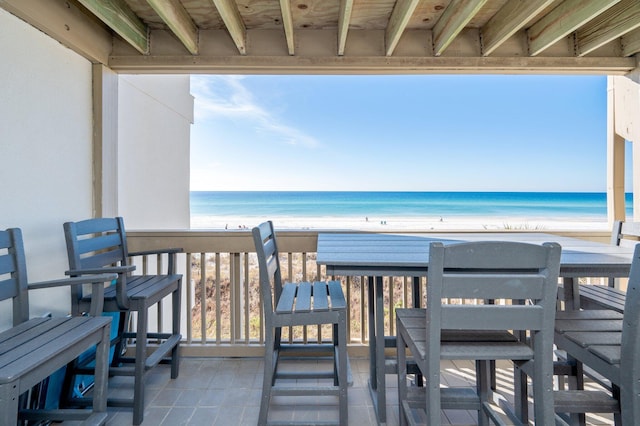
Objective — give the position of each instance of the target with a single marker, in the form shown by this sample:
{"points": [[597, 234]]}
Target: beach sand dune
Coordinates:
{"points": [[402, 223]]}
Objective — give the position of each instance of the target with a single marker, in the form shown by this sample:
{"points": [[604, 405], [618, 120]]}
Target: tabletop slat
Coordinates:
{"points": [[402, 252]]}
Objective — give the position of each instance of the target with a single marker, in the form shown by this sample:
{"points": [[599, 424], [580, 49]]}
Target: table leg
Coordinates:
{"points": [[372, 333], [417, 302], [377, 386], [380, 360], [571, 293], [417, 295]]}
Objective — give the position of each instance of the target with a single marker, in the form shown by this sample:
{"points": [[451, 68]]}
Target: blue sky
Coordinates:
{"points": [[399, 133]]}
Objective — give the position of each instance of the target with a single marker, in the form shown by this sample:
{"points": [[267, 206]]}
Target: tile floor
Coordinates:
{"points": [[226, 391]]}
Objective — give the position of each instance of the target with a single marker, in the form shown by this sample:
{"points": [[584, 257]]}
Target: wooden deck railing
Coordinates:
{"points": [[222, 312]]}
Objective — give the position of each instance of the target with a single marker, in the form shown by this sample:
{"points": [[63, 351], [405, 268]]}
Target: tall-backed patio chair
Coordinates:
{"points": [[607, 342], [594, 296], [299, 304], [526, 275], [33, 349], [98, 246]]}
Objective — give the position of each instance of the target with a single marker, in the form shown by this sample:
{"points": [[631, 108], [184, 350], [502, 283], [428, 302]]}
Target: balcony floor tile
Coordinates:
{"points": [[215, 391]]}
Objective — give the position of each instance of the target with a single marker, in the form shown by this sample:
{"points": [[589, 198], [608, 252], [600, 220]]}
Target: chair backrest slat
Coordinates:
{"points": [[269, 266], [492, 317], [498, 255], [13, 273], [625, 234], [7, 262], [8, 288], [100, 242], [96, 225], [493, 286], [5, 240], [99, 260]]}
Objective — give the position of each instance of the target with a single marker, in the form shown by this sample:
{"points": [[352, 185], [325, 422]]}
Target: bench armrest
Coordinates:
{"points": [[87, 279], [105, 270], [97, 288], [121, 282], [157, 251]]}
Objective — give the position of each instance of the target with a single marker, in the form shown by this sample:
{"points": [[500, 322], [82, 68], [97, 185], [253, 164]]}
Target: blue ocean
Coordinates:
{"points": [[583, 206]]}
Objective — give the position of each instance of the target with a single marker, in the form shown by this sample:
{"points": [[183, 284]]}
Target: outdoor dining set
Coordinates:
{"points": [[489, 297]]}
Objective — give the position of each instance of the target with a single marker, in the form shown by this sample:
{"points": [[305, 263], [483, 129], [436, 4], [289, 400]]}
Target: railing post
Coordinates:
{"points": [[237, 297]]}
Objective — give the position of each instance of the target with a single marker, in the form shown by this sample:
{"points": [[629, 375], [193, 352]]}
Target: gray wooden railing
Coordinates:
{"points": [[220, 288]]}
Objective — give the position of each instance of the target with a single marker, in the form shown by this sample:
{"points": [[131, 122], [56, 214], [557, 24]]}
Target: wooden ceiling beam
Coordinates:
{"points": [[330, 65], [453, 20], [613, 23], [68, 23], [178, 20], [562, 21], [398, 21], [346, 6], [631, 43], [512, 17], [121, 19], [287, 21], [229, 13]]}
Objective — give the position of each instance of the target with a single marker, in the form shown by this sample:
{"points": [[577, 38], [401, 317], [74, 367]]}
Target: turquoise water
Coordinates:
{"points": [[538, 205]]}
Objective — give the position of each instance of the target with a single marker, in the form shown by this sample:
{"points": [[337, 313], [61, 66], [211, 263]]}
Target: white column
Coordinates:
{"points": [[105, 141]]}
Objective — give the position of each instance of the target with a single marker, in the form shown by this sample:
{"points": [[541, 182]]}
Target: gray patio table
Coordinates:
{"points": [[402, 255]]}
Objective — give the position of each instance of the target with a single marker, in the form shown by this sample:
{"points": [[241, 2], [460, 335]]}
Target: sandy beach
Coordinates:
{"points": [[402, 223]]}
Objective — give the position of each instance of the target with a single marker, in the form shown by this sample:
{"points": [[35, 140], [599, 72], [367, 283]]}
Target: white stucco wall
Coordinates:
{"points": [[155, 113], [46, 131], [45, 150]]}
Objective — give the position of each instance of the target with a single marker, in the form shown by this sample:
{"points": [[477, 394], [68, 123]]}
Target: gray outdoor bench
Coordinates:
{"points": [[33, 349]]}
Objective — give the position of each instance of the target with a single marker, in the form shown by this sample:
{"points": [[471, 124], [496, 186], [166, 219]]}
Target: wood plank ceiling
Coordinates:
{"points": [[364, 36]]}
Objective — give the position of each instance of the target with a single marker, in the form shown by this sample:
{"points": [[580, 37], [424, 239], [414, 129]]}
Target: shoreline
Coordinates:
{"points": [[471, 223]]}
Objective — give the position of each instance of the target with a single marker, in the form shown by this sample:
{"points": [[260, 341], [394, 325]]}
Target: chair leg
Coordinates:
{"points": [[402, 376], [121, 343], [141, 355], [175, 305], [101, 373], [342, 368], [576, 383], [520, 397], [267, 381], [336, 358], [542, 381], [617, 417], [483, 384]]}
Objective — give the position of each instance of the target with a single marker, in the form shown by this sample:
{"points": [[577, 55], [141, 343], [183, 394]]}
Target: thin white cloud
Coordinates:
{"points": [[223, 96]]}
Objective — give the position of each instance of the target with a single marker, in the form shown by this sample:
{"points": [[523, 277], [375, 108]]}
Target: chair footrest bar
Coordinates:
{"points": [[111, 402], [304, 375], [305, 390], [414, 407], [451, 398], [162, 350], [68, 414], [298, 423], [414, 415], [120, 402], [581, 401], [96, 419], [321, 348], [493, 415]]}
